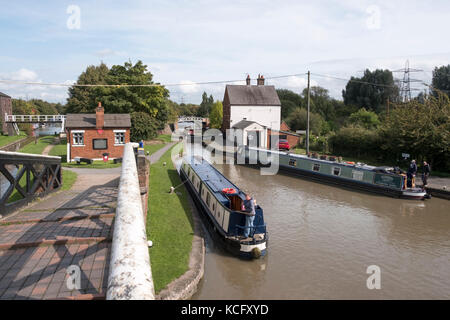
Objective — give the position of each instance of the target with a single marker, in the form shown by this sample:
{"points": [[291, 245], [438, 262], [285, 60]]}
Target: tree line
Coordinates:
{"points": [[371, 121]]}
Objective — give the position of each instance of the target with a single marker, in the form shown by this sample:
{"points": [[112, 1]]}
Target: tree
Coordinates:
{"points": [[298, 119], [289, 101], [143, 126], [152, 100], [365, 119], [361, 92], [205, 106], [85, 99], [216, 115], [420, 129], [441, 79]]}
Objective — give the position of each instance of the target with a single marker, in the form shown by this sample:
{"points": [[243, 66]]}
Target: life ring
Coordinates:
{"points": [[228, 190], [350, 162]]}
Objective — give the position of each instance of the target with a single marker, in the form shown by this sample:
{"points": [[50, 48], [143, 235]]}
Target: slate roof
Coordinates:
{"points": [[4, 95], [252, 95], [244, 124], [87, 120]]}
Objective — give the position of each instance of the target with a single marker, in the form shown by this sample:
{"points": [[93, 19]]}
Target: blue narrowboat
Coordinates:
{"points": [[220, 201], [381, 180]]}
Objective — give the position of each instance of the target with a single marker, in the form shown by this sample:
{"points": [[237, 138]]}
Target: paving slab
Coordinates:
{"points": [[69, 230]]}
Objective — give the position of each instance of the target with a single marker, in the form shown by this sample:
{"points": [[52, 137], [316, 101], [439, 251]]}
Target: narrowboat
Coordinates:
{"points": [[381, 180], [220, 201]]}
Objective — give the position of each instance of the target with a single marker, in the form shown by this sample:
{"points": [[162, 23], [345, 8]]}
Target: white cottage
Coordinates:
{"points": [[258, 103]]}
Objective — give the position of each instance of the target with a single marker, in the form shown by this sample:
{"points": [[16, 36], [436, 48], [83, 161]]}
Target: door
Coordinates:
{"points": [[253, 138]]}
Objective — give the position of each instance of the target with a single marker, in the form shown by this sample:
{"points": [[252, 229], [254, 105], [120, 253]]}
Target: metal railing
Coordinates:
{"points": [[24, 177], [130, 276]]}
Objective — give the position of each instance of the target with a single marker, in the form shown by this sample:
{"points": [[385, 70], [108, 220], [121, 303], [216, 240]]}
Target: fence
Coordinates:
{"points": [[23, 177]]}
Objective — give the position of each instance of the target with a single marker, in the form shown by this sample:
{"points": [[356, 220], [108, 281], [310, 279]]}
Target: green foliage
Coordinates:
{"points": [[365, 119], [143, 127], [289, 101], [441, 79], [355, 141], [205, 107], [216, 115], [298, 119], [420, 129], [373, 98], [120, 99], [85, 99]]}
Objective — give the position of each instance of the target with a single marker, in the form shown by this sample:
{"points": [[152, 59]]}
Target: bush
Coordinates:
{"points": [[355, 141], [143, 126]]}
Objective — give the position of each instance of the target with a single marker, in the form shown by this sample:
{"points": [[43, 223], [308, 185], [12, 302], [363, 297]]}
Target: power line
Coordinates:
{"points": [[18, 82]]}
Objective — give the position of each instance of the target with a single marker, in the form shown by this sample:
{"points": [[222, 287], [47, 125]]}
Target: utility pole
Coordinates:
{"points": [[307, 117]]}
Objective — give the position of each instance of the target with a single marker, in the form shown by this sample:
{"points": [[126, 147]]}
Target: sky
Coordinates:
{"points": [[197, 41]]}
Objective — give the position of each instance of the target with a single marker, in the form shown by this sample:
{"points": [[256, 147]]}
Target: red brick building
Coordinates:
{"points": [[284, 133], [5, 108], [92, 135]]}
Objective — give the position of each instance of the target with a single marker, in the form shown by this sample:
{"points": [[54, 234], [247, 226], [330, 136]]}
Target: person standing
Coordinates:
{"points": [[425, 173], [249, 207], [412, 171]]}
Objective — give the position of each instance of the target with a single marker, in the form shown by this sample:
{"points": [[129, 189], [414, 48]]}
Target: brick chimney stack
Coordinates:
{"points": [[99, 116], [248, 80], [260, 80]]}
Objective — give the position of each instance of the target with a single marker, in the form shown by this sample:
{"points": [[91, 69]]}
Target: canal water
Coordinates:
{"points": [[323, 238]]}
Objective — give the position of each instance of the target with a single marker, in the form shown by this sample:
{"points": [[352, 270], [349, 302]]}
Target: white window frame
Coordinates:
{"points": [[115, 140], [73, 138]]}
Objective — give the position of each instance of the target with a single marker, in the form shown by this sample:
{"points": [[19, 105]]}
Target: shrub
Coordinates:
{"points": [[143, 126]]}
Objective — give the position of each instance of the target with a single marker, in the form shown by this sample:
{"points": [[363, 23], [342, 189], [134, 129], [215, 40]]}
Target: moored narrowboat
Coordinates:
{"points": [[220, 201], [381, 180]]}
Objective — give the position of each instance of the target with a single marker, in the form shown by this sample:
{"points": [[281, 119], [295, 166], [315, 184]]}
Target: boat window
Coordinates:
{"points": [[316, 167], [336, 171], [357, 175], [292, 162]]}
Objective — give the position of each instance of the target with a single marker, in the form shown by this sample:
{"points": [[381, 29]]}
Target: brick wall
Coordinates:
{"points": [[5, 107], [293, 140], [87, 151]]}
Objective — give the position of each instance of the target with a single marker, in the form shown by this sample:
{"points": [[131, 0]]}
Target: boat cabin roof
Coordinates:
{"points": [[213, 178], [362, 166]]}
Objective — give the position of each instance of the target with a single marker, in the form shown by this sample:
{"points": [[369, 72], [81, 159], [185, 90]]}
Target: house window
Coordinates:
{"points": [[336, 171], [100, 144], [119, 137], [78, 138], [292, 162], [316, 167]]}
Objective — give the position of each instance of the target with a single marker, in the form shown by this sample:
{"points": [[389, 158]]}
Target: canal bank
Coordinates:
{"points": [[177, 254], [324, 238]]}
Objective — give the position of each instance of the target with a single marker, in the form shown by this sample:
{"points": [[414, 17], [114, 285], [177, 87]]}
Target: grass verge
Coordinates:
{"points": [[4, 140], [169, 224], [37, 148], [69, 178]]}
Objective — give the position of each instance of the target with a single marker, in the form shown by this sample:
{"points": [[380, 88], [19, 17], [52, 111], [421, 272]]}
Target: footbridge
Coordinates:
{"points": [[34, 118]]}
